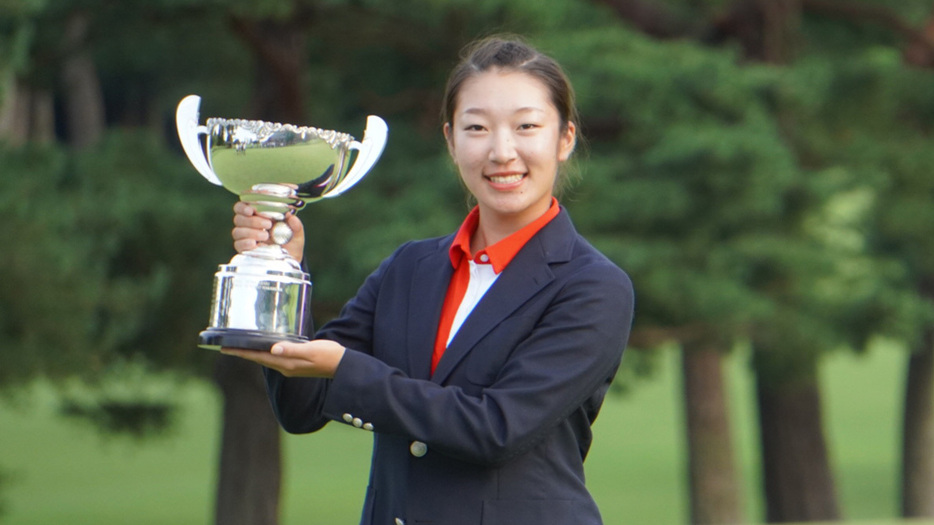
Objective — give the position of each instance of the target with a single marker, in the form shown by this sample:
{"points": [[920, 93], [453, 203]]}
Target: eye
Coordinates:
{"points": [[527, 126], [473, 127]]}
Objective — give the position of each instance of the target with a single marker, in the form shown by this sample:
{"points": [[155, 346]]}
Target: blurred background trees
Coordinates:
{"points": [[759, 167]]}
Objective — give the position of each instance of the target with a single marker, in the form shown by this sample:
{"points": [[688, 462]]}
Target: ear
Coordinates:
{"points": [[566, 142], [449, 138]]}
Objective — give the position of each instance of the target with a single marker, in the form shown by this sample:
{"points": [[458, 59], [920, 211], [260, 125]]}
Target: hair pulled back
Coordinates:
{"points": [[510, 54]]}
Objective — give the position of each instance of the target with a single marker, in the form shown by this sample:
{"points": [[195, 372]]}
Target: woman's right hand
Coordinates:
{"points": [[251, 230]]}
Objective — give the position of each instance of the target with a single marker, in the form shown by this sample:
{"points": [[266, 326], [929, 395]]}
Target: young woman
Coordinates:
{"points": [[479, 360]]}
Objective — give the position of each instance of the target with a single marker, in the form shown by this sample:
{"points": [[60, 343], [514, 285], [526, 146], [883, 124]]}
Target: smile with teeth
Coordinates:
{"points": [[506, 179]]}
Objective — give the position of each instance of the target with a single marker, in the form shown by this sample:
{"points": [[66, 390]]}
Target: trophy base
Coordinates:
{"points": [[216, 339]]}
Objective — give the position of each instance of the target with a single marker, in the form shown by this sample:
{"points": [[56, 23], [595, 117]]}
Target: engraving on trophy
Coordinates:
{"points": [[261, 296]]}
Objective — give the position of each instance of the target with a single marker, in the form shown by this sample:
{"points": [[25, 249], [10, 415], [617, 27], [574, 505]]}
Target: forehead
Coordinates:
{"points": [[503, 91]]}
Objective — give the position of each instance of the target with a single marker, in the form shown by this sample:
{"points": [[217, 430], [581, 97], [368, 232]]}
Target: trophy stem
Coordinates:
{"points": [[280, 233]]}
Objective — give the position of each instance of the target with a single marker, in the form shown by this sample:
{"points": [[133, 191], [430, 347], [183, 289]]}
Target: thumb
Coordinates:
{"points": [[295, 224], [284, 348]]}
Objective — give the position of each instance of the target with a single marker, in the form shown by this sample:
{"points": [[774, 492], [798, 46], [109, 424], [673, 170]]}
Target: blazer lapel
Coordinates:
{"points": [[426, 296], [525, 276]]}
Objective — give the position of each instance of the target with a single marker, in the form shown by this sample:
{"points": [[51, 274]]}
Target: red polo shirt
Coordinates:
{"points": [[498, 255]]}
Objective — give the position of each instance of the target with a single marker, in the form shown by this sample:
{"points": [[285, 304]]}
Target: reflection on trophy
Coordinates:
{"points": [[261, 296]]}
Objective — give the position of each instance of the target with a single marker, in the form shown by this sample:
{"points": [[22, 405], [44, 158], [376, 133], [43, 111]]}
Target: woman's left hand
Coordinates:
{"points": [[318, 358]]}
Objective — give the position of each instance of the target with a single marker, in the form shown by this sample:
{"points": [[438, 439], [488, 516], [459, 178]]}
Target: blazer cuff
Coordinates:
{"points": [[357, 392]]}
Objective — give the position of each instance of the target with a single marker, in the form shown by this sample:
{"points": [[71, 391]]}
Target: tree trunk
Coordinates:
{"points": [[652, 18], [918, 433], [26, 114], [798, 481], [250, 471], [766, 29], [82, 95], [714, 488], [281, 61], [250, 464], [15, 111]]}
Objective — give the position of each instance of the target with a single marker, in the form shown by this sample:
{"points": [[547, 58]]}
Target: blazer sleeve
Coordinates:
{"points": [[571, 353], [298, 402]]}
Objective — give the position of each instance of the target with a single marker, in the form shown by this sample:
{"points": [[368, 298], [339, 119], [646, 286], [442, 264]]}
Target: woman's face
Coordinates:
{"points": [[507, 142]]}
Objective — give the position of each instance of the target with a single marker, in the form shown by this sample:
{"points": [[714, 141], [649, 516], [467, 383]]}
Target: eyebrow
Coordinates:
{"points": [[526, 109]]}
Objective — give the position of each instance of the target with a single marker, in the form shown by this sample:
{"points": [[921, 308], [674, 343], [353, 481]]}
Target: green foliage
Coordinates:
{"points": [[16, 34], [781, 203], [868, 126], [407, 196], [130, 399], [109, 252], [694, 185], [748, 199]]}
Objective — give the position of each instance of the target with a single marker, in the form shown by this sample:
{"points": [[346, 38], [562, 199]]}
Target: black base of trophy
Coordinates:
{"points": [[215, 339]]}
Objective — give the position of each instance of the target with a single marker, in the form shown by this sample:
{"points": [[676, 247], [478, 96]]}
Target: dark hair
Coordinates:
{"points": [[513, 54], [510, 53]]}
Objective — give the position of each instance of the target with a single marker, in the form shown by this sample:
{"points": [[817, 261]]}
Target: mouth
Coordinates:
{"points": [[505, 178]]}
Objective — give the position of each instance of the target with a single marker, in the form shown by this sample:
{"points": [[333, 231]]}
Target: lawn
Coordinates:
{"points": [[58, 471]]}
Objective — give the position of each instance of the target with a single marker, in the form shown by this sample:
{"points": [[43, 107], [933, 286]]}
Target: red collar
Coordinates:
{"points": [[501, 253]]}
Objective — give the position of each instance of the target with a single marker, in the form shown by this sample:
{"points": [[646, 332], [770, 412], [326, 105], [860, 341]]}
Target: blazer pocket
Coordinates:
{"points": [[540, 512]]}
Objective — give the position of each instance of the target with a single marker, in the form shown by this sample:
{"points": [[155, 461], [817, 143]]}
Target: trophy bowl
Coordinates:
{"points": [[262, 296]]}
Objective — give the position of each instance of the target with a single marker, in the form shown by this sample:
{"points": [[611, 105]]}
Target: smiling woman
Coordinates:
{"points": [[480, 359], [507, 141]]}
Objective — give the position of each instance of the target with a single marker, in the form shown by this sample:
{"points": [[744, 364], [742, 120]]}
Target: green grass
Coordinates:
{"points": [[60, 471]]}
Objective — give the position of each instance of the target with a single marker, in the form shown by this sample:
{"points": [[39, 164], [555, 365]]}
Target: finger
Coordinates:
{"points": [[296, 246], [252, 221], [295, 224], [243, 232], [245, 245], [287, 366], [246, 239], [236, 352], [257, 356], [243, 208], [287, 349]]}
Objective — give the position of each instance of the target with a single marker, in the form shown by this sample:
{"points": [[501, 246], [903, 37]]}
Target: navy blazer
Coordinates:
{"points": [[498, 434]]}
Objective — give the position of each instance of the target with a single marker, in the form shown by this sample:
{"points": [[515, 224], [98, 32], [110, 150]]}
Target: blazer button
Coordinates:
{"points": [[418, 449], [368, 426], [348, 418], [357, 422], [399, 521]]}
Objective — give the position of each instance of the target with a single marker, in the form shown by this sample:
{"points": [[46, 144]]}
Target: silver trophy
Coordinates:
{"points": [[262, 296]]}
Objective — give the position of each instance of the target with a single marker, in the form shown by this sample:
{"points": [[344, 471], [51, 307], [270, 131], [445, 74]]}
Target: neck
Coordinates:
{"points": [[493, 227]]}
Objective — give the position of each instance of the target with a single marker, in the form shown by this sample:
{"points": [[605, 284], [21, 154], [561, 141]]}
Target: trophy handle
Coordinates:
{"points": [[189, 133], [369, 151]]}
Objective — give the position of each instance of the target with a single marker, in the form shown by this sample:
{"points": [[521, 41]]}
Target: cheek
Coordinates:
{"points": [[540, 153], [469, 154], [545, 149]]}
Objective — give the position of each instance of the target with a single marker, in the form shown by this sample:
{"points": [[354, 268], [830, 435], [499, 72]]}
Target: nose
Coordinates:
{"points": [[503, 148]]}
